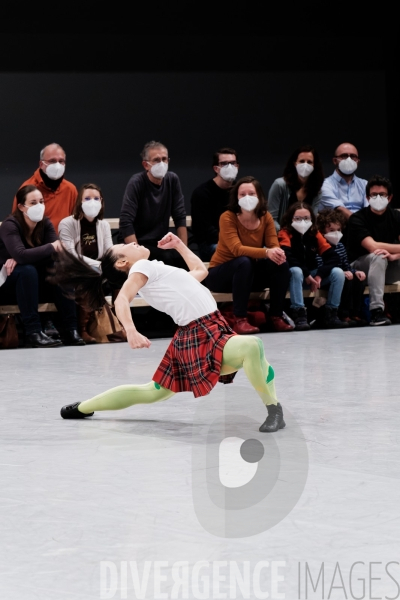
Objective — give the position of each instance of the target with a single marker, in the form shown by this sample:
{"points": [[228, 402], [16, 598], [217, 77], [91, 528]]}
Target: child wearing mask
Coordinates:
{"points": [[330, 223], [303, 244]]}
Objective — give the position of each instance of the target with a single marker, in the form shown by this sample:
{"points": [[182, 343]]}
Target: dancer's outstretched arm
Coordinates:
{"points": [[123, 309]]}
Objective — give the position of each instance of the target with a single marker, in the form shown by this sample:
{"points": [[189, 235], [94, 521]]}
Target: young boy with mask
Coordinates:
{"points": [[330, 224]]}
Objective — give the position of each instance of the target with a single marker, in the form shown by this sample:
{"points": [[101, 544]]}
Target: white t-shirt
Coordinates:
{"points": [[174, 291]]}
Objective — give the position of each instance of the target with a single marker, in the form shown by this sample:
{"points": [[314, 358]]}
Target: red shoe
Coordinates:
{"points": [[243, 327], [256, 318], [280, 325]]}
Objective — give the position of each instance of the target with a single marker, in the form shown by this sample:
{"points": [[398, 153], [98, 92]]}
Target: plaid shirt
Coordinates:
{"points": [[192, 362]]}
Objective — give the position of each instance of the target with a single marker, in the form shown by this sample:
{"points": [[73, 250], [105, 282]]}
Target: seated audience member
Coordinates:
{"points": [[59, 194], [27, 243], [302, 243], [248, 256], [301, 182], [86, 233], [151, 198], [343, 189], [373, 244], [59, 197], [331, 223], [210, 199]]}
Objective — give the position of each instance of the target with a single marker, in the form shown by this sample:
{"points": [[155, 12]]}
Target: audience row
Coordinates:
{"points": [[339, 233]]}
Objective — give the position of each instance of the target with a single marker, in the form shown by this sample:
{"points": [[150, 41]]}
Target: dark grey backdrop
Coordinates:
{"points": [[261, 97], [103, 120]]}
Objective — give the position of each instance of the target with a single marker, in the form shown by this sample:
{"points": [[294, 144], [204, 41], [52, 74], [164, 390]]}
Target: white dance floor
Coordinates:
{"points": [[168, 501]]}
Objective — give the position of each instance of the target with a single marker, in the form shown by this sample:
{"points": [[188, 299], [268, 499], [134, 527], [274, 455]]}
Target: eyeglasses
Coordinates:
{"points": [[87, 199], [225, 163], [299, 219], [344, 156], [54, 161], [154, 161], [381, 195]]}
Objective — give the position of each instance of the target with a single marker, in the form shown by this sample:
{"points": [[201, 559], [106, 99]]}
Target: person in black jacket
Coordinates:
{"points": [[210, 199], [302, 243], [27, 242], [373, 244]]}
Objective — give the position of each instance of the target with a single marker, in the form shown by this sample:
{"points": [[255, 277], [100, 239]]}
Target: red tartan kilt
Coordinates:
{"points": [[192, 362]]}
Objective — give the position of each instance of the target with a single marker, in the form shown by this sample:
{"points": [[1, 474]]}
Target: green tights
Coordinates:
{"points": [[239, 351]]}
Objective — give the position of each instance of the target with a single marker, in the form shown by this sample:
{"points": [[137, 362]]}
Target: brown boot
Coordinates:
{"points": [[243, 327], [83, 319]]}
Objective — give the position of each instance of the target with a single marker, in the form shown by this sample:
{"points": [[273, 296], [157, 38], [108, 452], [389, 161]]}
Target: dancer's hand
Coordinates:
{"points": [[137, 340], [170, 240]]}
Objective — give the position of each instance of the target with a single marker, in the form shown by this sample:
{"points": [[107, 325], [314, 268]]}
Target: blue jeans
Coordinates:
{"points": [[335, 280]]}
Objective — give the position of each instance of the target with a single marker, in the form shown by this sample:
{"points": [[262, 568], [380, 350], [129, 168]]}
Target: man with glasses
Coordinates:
{"points": [[151, 198], [58, 193], [374, 246], [343, 189], [209, 201]]}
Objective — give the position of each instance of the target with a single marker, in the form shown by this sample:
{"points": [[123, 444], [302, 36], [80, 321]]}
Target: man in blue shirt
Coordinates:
{"points": [[343, 189]]}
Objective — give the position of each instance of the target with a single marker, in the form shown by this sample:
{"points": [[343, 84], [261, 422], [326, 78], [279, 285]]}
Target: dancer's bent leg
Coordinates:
{"points": [[126, 395], [248, 352]]}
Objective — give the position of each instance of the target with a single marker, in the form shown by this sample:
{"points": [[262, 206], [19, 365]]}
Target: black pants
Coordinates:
{"points": [[352, 297], [243, 274], [27, 286]]}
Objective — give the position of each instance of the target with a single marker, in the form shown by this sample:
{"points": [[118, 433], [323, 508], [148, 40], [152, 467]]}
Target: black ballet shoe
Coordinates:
{"points": [[274, 421], [70, 411]]}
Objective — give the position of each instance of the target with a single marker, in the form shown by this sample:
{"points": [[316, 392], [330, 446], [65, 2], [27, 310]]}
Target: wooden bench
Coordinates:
{"points": [[219, 296]]}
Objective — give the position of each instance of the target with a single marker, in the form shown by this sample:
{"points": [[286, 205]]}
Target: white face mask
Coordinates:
{"points": [[304, 169], [301, 226], [228, 172], [347, 166], [159, 170], [91, 208], [35, 212], [55, 171], [248, 202], [378, 203], [333, 237]]}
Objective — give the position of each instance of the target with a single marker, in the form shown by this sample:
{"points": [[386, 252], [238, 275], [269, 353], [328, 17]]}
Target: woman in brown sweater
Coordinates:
{"points": [[248, 256]]}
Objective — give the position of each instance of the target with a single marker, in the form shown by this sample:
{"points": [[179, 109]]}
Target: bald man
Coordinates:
{"points": [[58, 193], [343, 189]]}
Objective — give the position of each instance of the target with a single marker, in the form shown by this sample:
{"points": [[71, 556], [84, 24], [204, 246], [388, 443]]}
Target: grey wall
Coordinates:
{"points": [[103, 119]]}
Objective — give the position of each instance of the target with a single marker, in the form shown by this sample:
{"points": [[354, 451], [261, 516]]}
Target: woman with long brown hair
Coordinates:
{"points": [[86, 233], [248, 256], [27, 243]]}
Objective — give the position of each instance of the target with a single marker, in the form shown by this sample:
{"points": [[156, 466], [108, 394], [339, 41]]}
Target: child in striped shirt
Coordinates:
{"points": [[330, 223]]}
